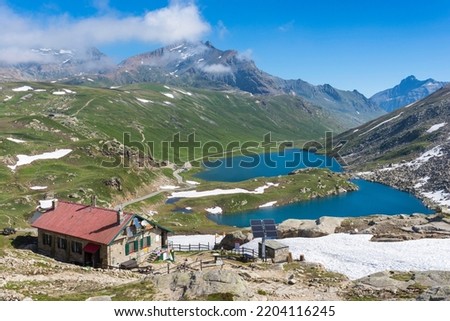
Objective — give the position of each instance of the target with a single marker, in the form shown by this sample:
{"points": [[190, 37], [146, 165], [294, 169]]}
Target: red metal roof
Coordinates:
{"points": [[94, 224]]}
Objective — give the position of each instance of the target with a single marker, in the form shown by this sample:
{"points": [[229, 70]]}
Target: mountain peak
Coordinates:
{"points": [[408, 91]]}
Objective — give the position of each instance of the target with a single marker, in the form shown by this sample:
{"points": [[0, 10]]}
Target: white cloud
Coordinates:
{"points": [[222, 30], [216, 69], [177, 22], [287, 26], [245, 55]]}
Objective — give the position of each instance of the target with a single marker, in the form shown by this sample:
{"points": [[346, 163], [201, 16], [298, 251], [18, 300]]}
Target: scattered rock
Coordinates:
{"points": [[114, 183], [309, 228], [437, 293], [230, 239]]}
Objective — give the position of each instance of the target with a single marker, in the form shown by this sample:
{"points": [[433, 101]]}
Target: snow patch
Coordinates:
{"points": [[38, 188], [382, 123], [268, 204], [436, 127], [15, 140], [193, 183], [355, 256], [177, 47], [219, 191], [196, 239], [440, 197], [23, 88], [8, 98], [59, 93], [40, 90], [214, 210], [419, 161], [144, 100], [422, 181], [25, 159], [169, 187], [184, 92], [168, 95]]}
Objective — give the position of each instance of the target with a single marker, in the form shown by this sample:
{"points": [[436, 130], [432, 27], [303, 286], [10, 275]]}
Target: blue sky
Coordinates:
{"points": [[368, 46]]}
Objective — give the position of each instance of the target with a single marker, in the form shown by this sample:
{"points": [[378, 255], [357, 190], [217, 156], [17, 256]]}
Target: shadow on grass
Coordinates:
{"points": [[25, 242]]}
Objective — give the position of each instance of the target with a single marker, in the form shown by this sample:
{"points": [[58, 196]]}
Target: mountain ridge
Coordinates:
{"points": [[408, 149], [408, 91], [201, 65]]}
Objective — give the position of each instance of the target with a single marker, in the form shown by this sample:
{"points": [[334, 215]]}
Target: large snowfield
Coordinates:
{"points": [[354, 255]]}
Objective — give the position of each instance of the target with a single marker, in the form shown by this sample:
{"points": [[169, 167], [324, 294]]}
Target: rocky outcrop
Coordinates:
{"points": [[309, 228], [191, 285], [388, 285], [437, 293], [388, 228], [230, 239]]}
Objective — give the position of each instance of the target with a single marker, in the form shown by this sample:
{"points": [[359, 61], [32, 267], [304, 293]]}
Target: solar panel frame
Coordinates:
{"points": [[265, 228]]}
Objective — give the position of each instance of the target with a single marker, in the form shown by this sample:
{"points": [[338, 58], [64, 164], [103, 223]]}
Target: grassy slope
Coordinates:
{"points": [[83, 121]]}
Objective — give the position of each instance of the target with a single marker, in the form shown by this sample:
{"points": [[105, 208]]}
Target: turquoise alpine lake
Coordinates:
{"points": [[241, 168], [371, 198]]}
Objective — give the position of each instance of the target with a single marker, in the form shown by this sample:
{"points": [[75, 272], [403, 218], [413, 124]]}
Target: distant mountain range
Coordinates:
{"points": [[201, 65], [407, 92], [60, 64]]}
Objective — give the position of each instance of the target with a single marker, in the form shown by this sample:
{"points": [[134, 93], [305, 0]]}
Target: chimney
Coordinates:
{"points": [[94, 201], [119, 216], [54, 204]]}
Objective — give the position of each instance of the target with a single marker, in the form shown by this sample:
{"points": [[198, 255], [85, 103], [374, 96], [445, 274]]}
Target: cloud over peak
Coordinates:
{"points": [[177, 22], [216, 69]]}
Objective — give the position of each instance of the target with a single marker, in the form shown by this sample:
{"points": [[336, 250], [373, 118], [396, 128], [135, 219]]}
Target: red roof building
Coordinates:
{"points": [[91, 235]]}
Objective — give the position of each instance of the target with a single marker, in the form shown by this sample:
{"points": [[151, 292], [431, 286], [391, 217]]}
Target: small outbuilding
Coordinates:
{"points": [[276, 251]]}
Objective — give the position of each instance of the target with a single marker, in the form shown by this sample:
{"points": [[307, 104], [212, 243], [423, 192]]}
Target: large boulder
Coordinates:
{"points": [[230, 239], [437, 293], [309, 228], [191, 285]]}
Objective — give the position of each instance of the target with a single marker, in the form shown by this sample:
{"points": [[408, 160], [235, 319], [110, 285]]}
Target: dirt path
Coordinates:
{"points": [[157, 192], [85, 105]]}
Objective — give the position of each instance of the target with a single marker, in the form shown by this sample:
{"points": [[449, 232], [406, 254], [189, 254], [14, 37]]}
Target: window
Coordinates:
{"points": [[146, 242], [77, 247], [62, 243], [131, 247], [47, 239]]}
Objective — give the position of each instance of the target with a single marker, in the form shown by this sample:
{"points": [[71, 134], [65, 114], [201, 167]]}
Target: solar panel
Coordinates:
{"points": [[264, 228]]}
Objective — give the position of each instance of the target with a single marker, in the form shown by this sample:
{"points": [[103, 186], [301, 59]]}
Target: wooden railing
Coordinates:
{"points": [[208, 247], [192, 247]]}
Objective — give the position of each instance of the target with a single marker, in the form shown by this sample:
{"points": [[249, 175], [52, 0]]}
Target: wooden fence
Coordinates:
{"points": [[208, 247], [191, 247]]}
